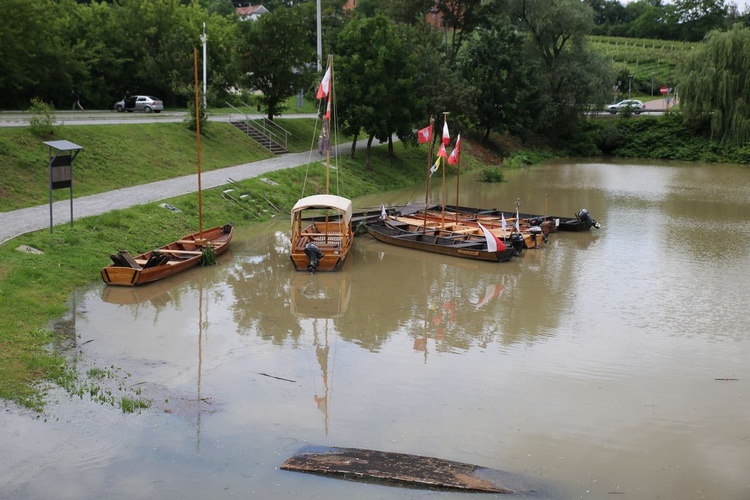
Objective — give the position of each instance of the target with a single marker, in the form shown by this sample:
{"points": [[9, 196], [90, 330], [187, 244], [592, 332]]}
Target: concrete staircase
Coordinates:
{"points": [[260, 131]]}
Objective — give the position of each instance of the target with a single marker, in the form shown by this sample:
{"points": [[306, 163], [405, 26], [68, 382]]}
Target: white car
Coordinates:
{"points": [[632, 105], [144, 103]]}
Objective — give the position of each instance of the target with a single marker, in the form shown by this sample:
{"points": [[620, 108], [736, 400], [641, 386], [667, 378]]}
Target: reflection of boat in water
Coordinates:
{"points": [[324, 296]]}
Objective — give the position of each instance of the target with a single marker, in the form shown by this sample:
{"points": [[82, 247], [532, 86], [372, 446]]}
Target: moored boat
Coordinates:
{"points": [[321, 241], [582, 220], [168, 260], [321, 244], [454, 243]]}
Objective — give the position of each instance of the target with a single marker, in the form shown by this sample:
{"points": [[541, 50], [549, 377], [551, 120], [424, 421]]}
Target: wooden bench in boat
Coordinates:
{"points": [[181, 252]]}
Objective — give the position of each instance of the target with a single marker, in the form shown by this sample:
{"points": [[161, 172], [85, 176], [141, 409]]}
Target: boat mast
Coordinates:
{"points": [[429, 165], [442, 213], [198, 142]]}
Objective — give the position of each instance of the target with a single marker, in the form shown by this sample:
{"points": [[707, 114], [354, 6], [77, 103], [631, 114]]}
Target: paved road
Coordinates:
{"points": [[18, 222], [72, 118]]}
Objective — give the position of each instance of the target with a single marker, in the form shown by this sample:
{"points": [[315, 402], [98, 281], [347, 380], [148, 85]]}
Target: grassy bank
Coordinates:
{"points": [[35, 288]]}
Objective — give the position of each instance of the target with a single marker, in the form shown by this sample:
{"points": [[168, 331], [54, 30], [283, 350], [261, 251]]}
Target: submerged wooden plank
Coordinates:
{"points": [[401, 469]]}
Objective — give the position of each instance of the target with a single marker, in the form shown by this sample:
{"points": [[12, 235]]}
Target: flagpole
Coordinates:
{"points": [[427, 187], [442, 215], [198, 143], [458, 173]]}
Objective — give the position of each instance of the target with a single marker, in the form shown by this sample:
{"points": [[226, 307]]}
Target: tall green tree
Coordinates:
{"points": [[275, 58], [459, 19], [34, 58], [493, 62], [716, 85], [571, 78], [375, 80]]}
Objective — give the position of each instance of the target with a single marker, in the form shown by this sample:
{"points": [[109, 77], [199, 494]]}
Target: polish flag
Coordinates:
{"points": [[446, 135], [453, 159], [493, 242], [325, 84]]}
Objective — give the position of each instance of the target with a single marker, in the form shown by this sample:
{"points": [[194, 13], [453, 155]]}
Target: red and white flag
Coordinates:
{"points": [[446, 135], [493, 242], [442, 151], [454, 158], [325, 85], [425, 135], [502, 222]]}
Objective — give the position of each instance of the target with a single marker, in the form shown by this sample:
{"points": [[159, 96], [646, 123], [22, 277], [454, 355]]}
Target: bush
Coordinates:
{"points": [[525, 158], [42, 123], [492, 174]]}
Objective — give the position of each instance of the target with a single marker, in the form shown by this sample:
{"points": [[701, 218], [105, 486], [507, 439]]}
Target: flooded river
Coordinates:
{"points": [[613, 362]]}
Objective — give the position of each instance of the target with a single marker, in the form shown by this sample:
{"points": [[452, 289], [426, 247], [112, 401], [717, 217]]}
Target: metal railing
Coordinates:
{"points": [[272, 131]]}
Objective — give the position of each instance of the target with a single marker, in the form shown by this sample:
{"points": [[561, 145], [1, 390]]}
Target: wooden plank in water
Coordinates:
{"points": [[399, 469]]}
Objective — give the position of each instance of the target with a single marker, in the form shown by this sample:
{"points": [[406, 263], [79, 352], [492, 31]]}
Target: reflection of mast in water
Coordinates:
{"points": [[321, 353], [199, 401], [317, 297]]}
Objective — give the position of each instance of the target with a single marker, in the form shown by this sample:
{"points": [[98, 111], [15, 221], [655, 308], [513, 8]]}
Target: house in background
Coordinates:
{"points": [[249, 12]]}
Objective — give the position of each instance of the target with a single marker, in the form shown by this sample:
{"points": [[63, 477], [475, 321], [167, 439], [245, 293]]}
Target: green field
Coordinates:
{"points": [[652, 63]]}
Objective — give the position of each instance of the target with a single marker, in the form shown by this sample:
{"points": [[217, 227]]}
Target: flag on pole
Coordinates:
{"points": [[435, 167], [383, 215], [425, 135], [502, 222], [454, 158], [446, 135], [442, 152], [518, 226], [325, 84], [493, 242]]}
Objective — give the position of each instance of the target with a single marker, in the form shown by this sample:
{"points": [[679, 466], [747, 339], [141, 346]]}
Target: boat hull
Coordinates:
{"points": [[427, 241], [183, 254]]}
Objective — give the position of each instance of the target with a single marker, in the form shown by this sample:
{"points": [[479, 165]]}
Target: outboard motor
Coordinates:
{"points": [[516, 242], [583, 216], [314, 254], [535, 232]]}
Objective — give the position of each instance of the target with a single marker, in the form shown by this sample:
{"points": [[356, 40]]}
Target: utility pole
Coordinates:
{"points": [[320, 38], [204, 39]]}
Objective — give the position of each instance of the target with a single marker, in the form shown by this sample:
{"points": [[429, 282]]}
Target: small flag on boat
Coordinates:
{"points": [[435, 167], [383, 215], [493, 242], [502, 222], [446, 135], [425, 135], [442, 151], [453, 159], [325, 84]]}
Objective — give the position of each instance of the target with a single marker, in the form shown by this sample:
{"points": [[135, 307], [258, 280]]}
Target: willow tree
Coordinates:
{"points": [[716, 85]]}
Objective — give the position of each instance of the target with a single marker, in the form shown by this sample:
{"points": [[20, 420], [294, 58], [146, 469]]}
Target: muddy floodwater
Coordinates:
{"points": [[613, 362]]}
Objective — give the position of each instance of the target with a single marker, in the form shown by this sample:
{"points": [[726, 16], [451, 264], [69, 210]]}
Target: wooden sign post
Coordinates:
{"points": [[61, 156]]}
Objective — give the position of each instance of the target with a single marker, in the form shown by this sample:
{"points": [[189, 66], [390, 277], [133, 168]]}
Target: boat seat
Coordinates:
{"points": [[128, 259]]}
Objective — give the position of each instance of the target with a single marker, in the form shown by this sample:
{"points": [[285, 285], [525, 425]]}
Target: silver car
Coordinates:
{"points": [[632, 105], [144, 103]]}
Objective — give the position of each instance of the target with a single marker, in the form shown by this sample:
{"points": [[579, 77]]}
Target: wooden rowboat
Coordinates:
{"points": [[168, 260], [321, 244], [582, 220], [456, 244]]}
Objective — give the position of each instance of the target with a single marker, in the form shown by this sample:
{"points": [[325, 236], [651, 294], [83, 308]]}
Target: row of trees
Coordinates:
{"points": [[500, 65]]}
